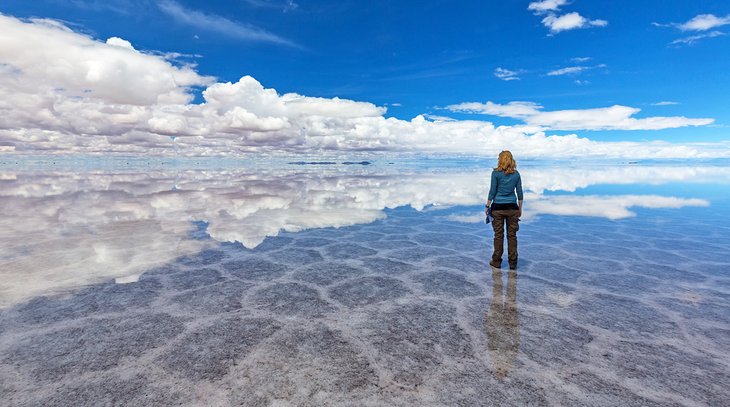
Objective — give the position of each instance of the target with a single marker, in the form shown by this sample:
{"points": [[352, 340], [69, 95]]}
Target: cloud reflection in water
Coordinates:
{"points": [[62, 229]]}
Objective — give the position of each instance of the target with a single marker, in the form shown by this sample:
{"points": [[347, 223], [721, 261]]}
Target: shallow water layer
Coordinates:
{"points": [[363, 287]]}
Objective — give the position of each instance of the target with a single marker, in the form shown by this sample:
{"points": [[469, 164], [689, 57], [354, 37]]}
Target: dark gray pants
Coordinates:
{"points": [[511, 219]]}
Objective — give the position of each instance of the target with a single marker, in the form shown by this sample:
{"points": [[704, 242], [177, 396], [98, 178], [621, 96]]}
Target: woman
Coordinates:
{"points": [[506, 208]]}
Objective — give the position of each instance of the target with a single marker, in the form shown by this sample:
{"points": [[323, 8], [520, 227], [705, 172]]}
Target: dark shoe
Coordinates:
{"points": [[513, 266], [495, 264]]}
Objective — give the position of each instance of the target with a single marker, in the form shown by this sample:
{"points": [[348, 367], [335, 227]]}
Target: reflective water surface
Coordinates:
{"points": [[332, 284]]}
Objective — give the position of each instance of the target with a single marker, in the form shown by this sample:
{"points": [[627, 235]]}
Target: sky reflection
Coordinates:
{"points": [[66, 229]]}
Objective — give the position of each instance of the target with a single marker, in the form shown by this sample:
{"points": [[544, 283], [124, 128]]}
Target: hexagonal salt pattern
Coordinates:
{"points": [[403, 311]]}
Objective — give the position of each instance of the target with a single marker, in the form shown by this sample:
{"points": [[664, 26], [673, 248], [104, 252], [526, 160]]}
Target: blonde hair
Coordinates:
{"points": [[506, 163]]}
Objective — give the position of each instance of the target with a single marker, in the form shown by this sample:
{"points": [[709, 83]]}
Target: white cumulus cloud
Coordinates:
{"points": [[615, 117], [44, 59], [546, 5], [64, 92], [557, 23], [704, 22], [701, 25], [570, 21]]}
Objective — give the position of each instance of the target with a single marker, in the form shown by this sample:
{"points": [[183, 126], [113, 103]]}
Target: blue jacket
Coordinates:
{"points": [[503, 187]]}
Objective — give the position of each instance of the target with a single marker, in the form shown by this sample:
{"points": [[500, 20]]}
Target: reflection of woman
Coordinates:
{"points": [[505, 209], [502, 325]]}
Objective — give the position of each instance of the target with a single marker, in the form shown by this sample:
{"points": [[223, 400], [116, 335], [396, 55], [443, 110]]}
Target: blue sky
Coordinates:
{"points": [[420, 57]]}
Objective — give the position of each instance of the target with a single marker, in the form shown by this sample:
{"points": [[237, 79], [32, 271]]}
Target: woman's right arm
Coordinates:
{"points": [[492, 188]]}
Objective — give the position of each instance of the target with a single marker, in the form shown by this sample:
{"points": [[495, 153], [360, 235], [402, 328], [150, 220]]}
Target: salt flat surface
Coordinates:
{"points": [[397, 307]]}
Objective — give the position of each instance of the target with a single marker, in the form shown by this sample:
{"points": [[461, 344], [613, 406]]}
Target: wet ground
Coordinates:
{"points": [[400, 310]]}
